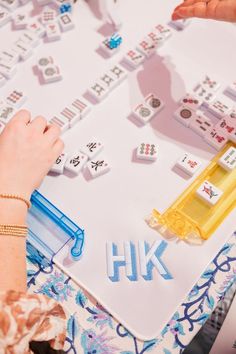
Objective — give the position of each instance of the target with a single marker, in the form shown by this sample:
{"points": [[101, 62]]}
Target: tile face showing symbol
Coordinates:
{"points": [[119, 73], [98, 91], [30, 38], [2, 80], [164, 30], [23, 49], [81, 106], [20, 21], [203, 94], [210, 84], [232, 113], [134, 58], [201, 125], [228, 160], [209, 193], [143, 113], [71, 115], [45, 61], [109, 80], [76, 162], [154, 102], [216, 139], [98, 167], [180, 24], [53, 32], [7, 70], [16, 98], [156, 37], [37, 28], [65, 22], [190, 101], [9, 4], [109, 45], [147, 151], [61, 122], [184, 115], [58, 166], [227, 125], [189, 164], [9, 56], [48, 16], [218, 108], [2, 126], [6, 112], [232, 89], [92, 148], [146, 47], [51, 73], [5, 16]]}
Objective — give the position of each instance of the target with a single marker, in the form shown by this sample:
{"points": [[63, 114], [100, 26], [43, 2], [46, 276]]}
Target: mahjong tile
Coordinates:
{"points": [[98, 90], [51, 73], [189, 164], [45, 61], [227, 125], [6, 112], [65, 22], [209, 193], [154, 102], [3, 80], [58, 166], [20, 21], [9, 56], [216, 139], [147, 47], [201, 124], [9, 4], [232, 136], [185, 115], [143, 113], [232, 113], [228, 160], [210, 84], [53, 32], [5, 16], [109, 46], [180, 24], [98, 167], [203, 94], [108, 80], [76, 162], [48, 16], [2, 126], [218, 108], [16, 98], [24, 50], [61, 122], [164, 30], [232, 89], [92, 148], [119, 73], [189, 100], [82, 106], [71, 115], [156, 37], [147, 151], [134, 58], [37, 28], [7, 70], [30, 38]]}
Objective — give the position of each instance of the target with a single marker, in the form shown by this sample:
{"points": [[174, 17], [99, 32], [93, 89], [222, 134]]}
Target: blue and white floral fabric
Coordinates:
{"points": [[92, 330]]}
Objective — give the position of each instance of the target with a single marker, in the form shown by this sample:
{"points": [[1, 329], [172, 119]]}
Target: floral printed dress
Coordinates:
{"points": [[30, 317]]}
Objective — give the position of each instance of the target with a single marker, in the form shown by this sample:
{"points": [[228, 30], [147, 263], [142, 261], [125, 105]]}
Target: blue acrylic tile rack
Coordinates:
{"points": [[50, 229]]}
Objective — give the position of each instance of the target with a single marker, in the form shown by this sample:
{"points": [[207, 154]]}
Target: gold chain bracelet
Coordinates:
{"points": [[14, 230], [16, 197]]}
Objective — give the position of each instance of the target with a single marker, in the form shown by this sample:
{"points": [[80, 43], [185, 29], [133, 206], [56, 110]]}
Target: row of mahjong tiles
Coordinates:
{"points": [[112, 208]]}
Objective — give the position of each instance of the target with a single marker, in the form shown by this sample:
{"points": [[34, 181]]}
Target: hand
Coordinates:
{"points": [[27, 151], [223, 10]]}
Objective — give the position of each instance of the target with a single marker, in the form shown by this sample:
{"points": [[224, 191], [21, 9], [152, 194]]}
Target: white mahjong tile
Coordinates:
{"points": [[143, 113], [9, 56], [98, 167], [232, 113], [232, 89], [65, 22], [189, 164], [76, 162], [24, 50], [30, 38], [209, 193], [185, 115], [5, 16], [218, 108], [20, 21], [108, 80], [201, 124], [37, 28], [134, 58], [107, 46], [92, 148], [147, 151], [210, 84], [191, 101], [16, 98], [119, 73], [53, 32], [204, 94], [59, 164], [9, 4], [227, 125], [232, 136], [71, 115], [7, 70], [48, 16], [3, 80], [82, 106], [164, 30], [2, 126], [180, 24], [6, 112], [156, 37], [51, 73], [45, 61], [98, 91], [228, 160], [61, 122], [216, 139], [147, 47], [154, 102]]}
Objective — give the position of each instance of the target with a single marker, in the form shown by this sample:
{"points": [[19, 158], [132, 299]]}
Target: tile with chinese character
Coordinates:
{"points": [[98, 167], [209, 193], [189, 164], [216, 139], [92, 148], [58, 166], [76, 162], [134, 58]]}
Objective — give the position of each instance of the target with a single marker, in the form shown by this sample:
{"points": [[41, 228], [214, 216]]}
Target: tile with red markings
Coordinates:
{"points": [[134, 58], [191, 101], [154, 102], [164, 30], [61, 122], [82, 106], [202, 93], [209, 193], [201, 124], [210, 84], [16, 98], [156, 37], [146, 47], [53, 32], [185, 115], [227, 125], [147, 151], [143, 113], [37, 28], [189, 164], [216, 139], [71, 115], [48, 16], [98, 167]]}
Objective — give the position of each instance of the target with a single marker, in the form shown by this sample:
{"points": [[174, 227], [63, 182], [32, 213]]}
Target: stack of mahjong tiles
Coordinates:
{"points": [[208, 115], [48, 24], [85, 158]]}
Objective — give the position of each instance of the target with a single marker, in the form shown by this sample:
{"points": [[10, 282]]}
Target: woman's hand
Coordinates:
{"points": [[223, 10], [27, 151]]}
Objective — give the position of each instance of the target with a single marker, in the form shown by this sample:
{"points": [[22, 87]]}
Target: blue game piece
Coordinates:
{"points": [[66, 7], [115, 41]]}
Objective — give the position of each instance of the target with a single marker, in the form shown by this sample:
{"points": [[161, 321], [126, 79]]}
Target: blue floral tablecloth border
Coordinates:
{"points": [[92, 330]]}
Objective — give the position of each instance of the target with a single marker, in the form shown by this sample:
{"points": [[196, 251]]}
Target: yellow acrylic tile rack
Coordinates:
{"points": [[191, 219]]}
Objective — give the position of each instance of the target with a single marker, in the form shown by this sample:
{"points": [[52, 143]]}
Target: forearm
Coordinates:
{"points": [[12, 248]]}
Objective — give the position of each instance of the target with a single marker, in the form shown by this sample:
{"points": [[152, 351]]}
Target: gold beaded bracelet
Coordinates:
{"points": [[16, 197], [14, 230]]}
